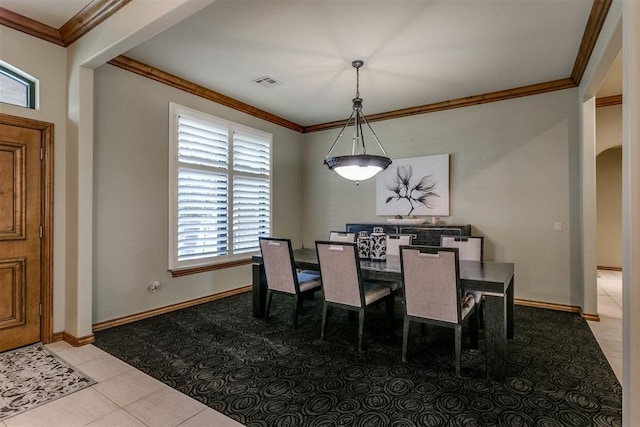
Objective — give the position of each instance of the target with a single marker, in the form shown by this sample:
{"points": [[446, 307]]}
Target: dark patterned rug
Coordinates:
{"points": [[266, 374], [31, 376]]}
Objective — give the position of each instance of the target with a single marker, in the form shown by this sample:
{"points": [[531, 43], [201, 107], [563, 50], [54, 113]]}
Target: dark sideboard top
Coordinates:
{"points": [[424, 234]]}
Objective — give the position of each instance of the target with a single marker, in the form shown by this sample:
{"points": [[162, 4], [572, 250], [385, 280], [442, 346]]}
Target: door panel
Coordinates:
{"points": [[12, 293], [20, 241]]}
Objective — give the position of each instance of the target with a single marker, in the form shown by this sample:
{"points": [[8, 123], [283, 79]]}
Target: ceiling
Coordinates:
{"points": [[415, 52]]}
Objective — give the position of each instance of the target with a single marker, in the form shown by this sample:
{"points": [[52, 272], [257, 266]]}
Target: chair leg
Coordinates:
{"points": [[360, 329], [267, 305], [390, 303], [297, 302], [473, 330], [405, 338], [351, 315], [458, 348], [301, 299], [325, 308]]}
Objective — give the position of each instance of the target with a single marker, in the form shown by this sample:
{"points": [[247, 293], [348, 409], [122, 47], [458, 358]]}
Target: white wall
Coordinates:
{"points": [[609, 186], [512, 173], [131, 195], [47, 63], [609, 204], [126, 28], [608, 127]]}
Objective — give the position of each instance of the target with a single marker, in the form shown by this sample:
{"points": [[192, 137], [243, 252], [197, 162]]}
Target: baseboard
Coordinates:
{"points": [[558, 307], [547, 305], [592, 317], [173, 307], [601, 267], [167, 309], [77, 341]]}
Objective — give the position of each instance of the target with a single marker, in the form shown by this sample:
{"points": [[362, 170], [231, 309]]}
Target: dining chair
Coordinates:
{"points": [[394, 241], [281, 275], [469, 248], [334, 236], [342, 236], [433, 294], [343, 286]]}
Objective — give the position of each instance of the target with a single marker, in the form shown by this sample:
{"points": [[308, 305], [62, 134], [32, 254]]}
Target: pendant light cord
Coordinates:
{"points": [[357, 82], [357, 111]]}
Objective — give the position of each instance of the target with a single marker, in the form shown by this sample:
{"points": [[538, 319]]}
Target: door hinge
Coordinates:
{"points": [[40, 310], [41, 232], [41, 153]]}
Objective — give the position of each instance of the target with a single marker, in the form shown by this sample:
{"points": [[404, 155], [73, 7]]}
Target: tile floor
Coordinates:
{"points": [[608, 331], [124, 396]]}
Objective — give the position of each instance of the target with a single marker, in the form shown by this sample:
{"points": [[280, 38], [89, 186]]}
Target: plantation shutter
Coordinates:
{"points": [[202, 189], [220, 198], [251, 191]]}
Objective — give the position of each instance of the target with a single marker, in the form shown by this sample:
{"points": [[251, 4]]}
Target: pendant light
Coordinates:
{"points": [[359, 165]]}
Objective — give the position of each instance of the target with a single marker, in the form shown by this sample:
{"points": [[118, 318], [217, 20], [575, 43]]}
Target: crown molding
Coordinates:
{"points": [[179, 83], [201, 91], [500, 95], [99, 10], [88, 18], [608, 101], [29, 26], [599, 11], [82, 22]]}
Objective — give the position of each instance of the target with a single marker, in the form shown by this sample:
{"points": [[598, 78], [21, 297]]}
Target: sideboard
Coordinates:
{"points": [[423, 234]]}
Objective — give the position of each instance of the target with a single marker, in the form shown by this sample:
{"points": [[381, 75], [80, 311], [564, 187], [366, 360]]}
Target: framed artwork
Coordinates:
{"points": [[414, 186]]}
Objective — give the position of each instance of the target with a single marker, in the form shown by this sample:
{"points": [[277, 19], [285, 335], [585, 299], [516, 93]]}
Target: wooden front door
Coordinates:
{"points": [[23, 263]]}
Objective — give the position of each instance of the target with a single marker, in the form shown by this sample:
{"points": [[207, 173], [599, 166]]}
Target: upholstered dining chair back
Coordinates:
{"points": [[431, 279], [431, 283], [340, 272], [279, 267], [334, 236], [470, 248], [342, 236], [394, 241], [343, 286], [281, 275]]}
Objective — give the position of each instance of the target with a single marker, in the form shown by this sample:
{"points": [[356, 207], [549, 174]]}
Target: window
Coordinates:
{"points": [[220, 197], [16, 88]]}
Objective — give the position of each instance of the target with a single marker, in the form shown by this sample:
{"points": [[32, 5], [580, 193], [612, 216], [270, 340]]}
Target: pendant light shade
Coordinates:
{"points": [[359, 165]]}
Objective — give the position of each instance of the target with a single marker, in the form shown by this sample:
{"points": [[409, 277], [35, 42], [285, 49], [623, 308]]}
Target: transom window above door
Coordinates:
{"points": [[17, 87]]}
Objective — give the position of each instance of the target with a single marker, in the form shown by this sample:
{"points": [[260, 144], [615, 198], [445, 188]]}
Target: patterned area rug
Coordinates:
{"points": [[31, 376], [266, 374]]}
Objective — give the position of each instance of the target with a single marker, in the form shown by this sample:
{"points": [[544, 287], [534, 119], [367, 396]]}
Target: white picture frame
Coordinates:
{"points": [[414, 186]]}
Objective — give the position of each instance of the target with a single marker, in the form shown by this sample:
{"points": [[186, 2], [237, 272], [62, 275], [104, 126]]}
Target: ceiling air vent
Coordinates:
{"points": [[267, 81]]}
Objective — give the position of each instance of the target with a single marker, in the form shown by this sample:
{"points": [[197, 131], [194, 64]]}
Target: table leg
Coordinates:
{"points": [[259, 289], [509, 296], [495, 329]]}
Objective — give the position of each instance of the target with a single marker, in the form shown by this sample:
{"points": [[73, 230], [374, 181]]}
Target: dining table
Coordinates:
{"points": [[494, 279]]}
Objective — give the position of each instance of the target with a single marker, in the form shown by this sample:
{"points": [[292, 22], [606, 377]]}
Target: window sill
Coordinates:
{"points": [[210, 267]]}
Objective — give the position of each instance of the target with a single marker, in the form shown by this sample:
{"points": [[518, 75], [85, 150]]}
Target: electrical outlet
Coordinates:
{"points": [[557, 226], [154, 287]]}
